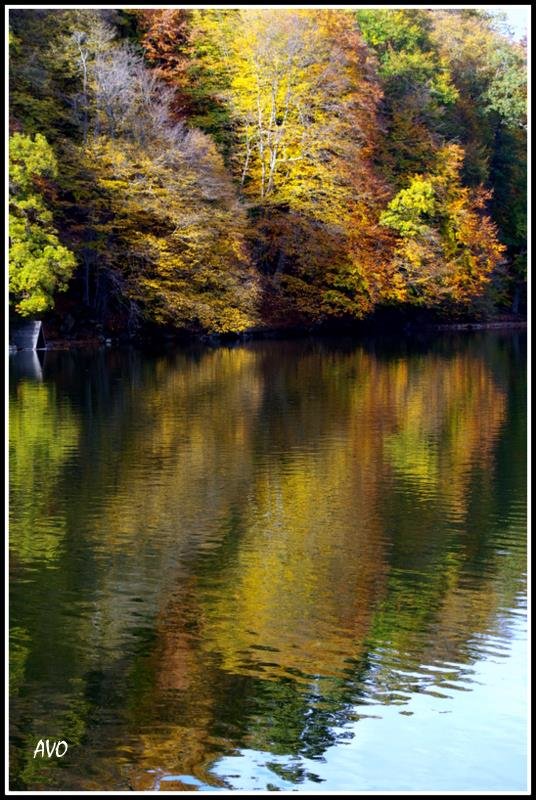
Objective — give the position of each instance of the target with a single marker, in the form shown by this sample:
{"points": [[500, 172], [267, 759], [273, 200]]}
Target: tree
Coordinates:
{"points": [[489, 119], [417, 87], [447, 246], [302, 100], [165, 36], [39, 265], [176, 233], [334, 128]]}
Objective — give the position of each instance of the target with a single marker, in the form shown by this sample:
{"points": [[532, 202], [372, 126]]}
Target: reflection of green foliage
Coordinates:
{"points": [[412, 455], [19, 640], [68, 725], [42, 434], [403, 619], [71, 725]]}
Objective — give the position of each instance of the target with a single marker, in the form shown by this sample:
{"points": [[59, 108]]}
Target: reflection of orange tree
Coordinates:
{"points": [[186, 685], [311, 565]]}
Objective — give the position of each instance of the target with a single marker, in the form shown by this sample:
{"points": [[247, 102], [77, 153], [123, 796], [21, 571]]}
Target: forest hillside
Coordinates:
{"points": [[224, 171]]}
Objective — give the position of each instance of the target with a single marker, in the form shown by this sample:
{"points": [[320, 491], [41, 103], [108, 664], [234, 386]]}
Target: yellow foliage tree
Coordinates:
{"points": [[302, 97], [184, 261]]}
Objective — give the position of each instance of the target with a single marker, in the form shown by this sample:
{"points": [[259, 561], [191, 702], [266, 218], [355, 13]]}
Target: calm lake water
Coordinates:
{"points": [[280, 565]]}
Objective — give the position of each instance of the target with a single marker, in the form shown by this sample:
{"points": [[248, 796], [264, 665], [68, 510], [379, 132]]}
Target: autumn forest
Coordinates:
{"points": [[225, 171]]}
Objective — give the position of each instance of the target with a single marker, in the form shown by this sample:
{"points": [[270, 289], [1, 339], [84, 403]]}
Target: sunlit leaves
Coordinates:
{"points": [[407, 211], [182, 232], [39, 265], [448, 246], [334, 193]]}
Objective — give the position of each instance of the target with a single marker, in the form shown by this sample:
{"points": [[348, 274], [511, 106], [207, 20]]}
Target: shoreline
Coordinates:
{"points": [[275, 334], [477, 326]]}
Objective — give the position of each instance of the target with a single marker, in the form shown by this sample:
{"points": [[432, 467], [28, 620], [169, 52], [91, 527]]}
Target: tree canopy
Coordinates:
{"points": [[214, 170]]}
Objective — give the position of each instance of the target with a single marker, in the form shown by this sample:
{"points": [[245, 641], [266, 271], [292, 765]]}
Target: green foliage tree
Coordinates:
{"points": [[417, 87], [39, 265], [455, 76]]}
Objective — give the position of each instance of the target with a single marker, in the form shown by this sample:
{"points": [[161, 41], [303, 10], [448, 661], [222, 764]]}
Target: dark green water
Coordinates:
{"points": [[283, 565]]}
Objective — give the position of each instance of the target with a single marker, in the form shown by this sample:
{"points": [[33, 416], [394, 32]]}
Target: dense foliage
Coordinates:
{"points": [[219, 170]]}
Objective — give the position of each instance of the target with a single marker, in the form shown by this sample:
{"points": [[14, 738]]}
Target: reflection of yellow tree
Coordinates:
{"points": [[43, 434], [303, 582], [176, 467], [183, 466]]}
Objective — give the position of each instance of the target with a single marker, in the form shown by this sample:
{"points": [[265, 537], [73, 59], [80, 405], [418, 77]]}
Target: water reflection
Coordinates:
{"points": [[257, 550]]}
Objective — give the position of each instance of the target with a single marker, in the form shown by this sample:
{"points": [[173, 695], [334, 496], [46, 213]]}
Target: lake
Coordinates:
{"points": [[281, 565]]}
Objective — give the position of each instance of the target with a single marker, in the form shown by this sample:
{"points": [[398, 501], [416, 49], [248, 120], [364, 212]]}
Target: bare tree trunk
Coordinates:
{"points": [[80, 38], [246, 162], [261, 138]]}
